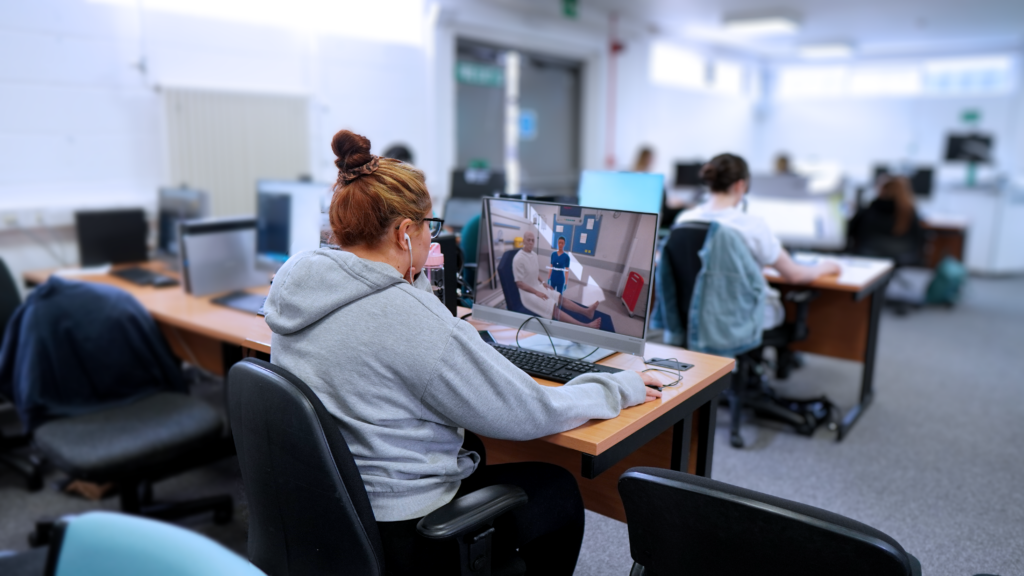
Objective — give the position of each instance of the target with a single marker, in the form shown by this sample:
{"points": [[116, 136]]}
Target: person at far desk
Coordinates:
{"points": [[403, 378], [729, 179], [889, 227]]}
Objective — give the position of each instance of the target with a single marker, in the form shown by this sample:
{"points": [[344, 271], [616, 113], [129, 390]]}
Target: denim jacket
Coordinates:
{"points": [[727, 307]]}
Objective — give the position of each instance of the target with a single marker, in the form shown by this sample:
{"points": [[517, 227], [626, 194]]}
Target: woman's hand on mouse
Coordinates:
{"points": [[650, 380]]}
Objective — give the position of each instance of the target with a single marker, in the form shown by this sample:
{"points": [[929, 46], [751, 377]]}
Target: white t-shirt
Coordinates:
{"points": [[526, 269], [765, 247]]}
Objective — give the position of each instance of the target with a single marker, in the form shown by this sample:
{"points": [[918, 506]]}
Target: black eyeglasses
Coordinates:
{"points": [[435, 226]]}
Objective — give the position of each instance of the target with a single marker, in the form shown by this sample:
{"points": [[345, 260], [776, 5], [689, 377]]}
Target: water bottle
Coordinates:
{"points": [[434, 269]]}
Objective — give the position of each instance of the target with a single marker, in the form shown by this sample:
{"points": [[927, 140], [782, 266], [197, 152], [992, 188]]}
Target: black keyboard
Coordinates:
{"points": [[549, 366], [144, 277]]}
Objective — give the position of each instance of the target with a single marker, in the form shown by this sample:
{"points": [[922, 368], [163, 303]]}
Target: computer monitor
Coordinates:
{"points": [[477, 183], [815, 222], [969, 148], [176, 205], [219, 255], [688, 174], [598, 288], [459, 211], [289, 217], [637, 191], [111, 236], [921, 182], [779, 185]]}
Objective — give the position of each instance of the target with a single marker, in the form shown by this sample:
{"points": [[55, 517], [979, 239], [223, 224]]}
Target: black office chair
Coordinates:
{"points": [[12, 453], [682, 252], [308, 509], [723, 530], [112, 419]]}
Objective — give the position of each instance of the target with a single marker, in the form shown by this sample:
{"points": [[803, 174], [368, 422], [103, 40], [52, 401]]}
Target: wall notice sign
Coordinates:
{"points": [[479, 74], [590, 225], [583, 236], [527, 124]]}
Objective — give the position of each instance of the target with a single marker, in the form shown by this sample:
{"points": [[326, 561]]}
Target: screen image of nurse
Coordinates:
{"points": [[559, 264]]}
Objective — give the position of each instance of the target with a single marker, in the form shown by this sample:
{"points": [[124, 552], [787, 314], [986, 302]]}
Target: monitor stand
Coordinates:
{"points": [[566, 348]]}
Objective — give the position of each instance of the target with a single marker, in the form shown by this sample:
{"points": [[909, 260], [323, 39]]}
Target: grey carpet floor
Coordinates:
{"points": [[937, 461]]}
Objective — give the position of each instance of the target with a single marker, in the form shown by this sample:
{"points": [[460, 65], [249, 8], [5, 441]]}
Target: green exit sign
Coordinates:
{"points": [[479, 74]]}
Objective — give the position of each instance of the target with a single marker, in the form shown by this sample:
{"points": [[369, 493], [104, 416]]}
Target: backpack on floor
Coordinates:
{"points": [[949, 278]]}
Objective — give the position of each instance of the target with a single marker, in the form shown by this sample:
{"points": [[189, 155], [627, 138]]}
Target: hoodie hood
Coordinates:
{"points": [[313, 284]]}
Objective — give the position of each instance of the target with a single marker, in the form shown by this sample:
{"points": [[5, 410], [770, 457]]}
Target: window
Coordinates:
{"points": [[674, 66], [812, 81], [885, 81], [984, 75], [728, 78]]}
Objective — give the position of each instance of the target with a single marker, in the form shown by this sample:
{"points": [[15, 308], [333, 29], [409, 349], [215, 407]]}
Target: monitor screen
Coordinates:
{"points": [[459, 211], [586, 277], [969, 148], [111, 236], [810, 223], [688, 174], [290, 217], [637, 191], [921, 182], [177, 205]]}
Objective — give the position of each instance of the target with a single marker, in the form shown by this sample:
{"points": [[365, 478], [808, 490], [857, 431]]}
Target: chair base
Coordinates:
{"points": [[28, 466]]}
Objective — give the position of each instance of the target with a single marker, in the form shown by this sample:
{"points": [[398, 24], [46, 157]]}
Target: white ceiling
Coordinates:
{"points": [[874, 27]]}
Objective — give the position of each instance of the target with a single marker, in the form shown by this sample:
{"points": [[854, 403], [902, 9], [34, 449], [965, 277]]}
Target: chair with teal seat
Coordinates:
{"points": [[112, 544], [469, 242]]}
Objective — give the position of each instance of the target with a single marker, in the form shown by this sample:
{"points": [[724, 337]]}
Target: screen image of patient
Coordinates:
{"points": [[537, 292], [582, 266]]}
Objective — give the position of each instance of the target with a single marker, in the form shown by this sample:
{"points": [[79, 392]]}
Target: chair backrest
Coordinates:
{"points": [[682, 249], [115, 544], [724, 529], [10, 298], [513, 302], [308, 509]]}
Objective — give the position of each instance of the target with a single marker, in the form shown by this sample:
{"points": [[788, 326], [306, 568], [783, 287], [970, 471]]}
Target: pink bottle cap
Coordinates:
{"points": [[435, 259]]}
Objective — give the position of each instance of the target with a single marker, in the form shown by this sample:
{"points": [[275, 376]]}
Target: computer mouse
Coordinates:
{"points": [[164, 281]]}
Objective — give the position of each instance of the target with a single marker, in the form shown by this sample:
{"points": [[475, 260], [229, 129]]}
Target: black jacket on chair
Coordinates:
{"points": [[76, 347]]}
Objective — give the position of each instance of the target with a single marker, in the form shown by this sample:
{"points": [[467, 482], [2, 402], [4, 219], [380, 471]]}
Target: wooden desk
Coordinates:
{"points": [[202, 333], [946, 237], [843, 322], [676, 432]]}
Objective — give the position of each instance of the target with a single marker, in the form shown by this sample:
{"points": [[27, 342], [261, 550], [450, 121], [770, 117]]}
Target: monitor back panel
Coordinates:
{"points": [[219, 255], [111, 236]]}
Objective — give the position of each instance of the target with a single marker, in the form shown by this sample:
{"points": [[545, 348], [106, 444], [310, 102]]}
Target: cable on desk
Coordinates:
{"points": [[554, 350], [678, 373], [466, 315]]}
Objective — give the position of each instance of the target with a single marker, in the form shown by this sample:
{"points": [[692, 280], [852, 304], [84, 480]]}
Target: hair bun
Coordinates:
{"points": [[351, 149], [708, 172]]}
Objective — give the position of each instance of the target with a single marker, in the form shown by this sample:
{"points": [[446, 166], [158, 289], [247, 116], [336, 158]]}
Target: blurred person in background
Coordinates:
{"points": [[729, 179], [889, 227], [399, 152], [782, 164]]}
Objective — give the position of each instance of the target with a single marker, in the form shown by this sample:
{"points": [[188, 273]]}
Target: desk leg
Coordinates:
{"points": [[706, 415], [868, 370]]}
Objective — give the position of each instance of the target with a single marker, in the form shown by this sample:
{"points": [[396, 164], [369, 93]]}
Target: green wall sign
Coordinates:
{"points": [[480, 74], [569, 9]]}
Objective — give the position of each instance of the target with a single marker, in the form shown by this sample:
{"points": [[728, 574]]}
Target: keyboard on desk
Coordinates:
{"points": [[549, 366], [144, 277]]}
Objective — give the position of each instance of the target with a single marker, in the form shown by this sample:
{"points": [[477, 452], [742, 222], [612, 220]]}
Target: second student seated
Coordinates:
{"points": [[403, 378], [729, 179]]}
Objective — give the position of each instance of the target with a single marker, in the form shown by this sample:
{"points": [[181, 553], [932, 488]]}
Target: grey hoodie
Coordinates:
{"points": [[403, 378]]}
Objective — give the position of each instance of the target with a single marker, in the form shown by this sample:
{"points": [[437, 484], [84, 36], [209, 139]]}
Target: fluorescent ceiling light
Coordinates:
{"points": [[826, 51], [762, 26]]}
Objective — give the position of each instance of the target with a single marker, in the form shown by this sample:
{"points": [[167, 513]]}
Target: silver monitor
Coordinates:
{"points": [[290, 216], [219, 255], [583, 273]]}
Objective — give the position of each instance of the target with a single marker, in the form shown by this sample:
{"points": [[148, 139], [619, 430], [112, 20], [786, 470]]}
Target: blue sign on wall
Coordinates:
{"points": [[527, 124]]}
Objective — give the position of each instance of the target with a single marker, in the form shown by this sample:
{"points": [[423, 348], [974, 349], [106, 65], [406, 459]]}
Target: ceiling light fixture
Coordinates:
{"points": [[762, 26], [830, 51]]}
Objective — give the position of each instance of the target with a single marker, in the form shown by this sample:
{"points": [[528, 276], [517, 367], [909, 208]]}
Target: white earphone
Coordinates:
{"points": [[408, 242]]}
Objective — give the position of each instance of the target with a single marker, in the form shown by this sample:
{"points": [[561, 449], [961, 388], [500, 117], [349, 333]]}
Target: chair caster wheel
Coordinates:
{"points": [[736, 440]]}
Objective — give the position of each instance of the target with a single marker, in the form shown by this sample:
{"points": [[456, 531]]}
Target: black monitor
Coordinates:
{"points": [[459, 211], [921, 182], [111, 236], [969, 148], [477, 183], [177, 205], [688, 174], [273, 220]]}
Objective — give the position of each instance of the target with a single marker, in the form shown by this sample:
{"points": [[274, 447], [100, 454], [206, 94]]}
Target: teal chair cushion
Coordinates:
{"points": [[111, 544]]}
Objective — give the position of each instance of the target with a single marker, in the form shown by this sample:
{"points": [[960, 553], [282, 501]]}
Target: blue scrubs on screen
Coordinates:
{"points": [[557, 279]]}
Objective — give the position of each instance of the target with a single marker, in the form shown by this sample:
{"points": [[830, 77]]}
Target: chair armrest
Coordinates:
{"points": [[471, 511]]}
